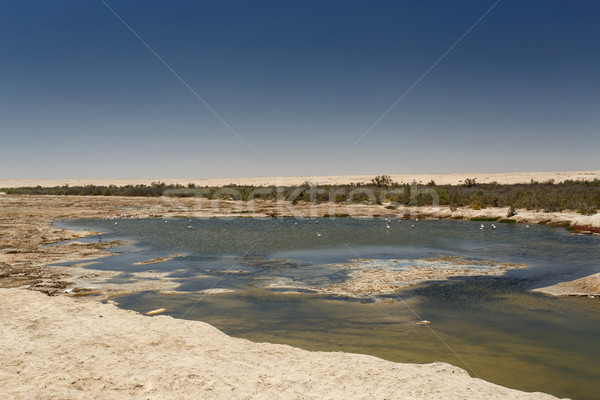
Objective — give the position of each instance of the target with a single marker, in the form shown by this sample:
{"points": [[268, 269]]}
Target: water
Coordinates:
{"points": [[493, 327]]}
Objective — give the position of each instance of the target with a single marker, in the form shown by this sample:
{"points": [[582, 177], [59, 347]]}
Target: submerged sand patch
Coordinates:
{"points": [[384, 277], [81, 281], [216, 291], [290, 285], [158, 259], [370, 278]]}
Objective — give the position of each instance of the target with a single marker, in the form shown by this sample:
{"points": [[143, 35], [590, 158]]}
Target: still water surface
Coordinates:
{"points": [[493, 327]]}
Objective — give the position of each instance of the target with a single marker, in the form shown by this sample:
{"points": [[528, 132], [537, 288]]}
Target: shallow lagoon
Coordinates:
{"points": [[491, 326]]}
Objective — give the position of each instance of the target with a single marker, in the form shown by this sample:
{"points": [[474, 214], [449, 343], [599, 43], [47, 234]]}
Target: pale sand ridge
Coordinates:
{"points": [[440, 179], [59, 347]]}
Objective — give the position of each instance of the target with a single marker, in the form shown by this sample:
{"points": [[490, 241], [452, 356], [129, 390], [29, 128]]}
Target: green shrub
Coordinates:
{"points": [[587, 211], [470, 182], [382, 181], [477, 205]]}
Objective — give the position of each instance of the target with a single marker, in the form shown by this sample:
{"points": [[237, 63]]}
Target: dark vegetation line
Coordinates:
{"points": [[580, 195]]}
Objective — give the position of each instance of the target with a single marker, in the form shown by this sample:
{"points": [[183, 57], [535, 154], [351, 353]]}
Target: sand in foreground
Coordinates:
{"points": [[59, 347]]}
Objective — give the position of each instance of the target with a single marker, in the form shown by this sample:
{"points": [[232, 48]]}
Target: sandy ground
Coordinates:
{"points": [[586, 286], [58, 347], [440, 179]]}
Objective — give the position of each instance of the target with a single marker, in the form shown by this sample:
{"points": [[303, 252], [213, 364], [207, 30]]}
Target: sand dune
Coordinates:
{"points": [[454, 179]]}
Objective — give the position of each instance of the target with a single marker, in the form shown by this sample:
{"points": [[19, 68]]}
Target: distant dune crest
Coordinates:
{"points": [[441, 179]]}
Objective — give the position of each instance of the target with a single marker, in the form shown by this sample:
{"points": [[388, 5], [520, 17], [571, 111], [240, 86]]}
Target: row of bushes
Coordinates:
{"points": [[583, 196]]}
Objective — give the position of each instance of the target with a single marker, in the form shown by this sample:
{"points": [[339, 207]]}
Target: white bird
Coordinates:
{"points": [[166, 222], [526, 226], [115, 223], [190, 227], [493, 226], [317, 221], [318, 234], [413, 226], [387, 226], [295, 223]]}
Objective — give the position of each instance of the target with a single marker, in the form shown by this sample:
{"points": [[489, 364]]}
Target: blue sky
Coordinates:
{"points": [[300, 82]]}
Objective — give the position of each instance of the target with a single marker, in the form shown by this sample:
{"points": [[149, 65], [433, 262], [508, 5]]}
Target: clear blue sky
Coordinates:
{"points": [[300, 82]]}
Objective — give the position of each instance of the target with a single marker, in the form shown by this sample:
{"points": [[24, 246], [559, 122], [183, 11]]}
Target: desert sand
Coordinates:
{"points": [[440, 179], [59, 347]]}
